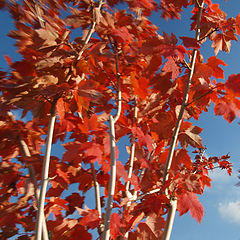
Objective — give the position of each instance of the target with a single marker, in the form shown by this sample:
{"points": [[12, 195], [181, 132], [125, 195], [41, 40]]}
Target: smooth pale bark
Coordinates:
{"points": [[112, 181], [45, 171], [26, 152], [173, 202], [112, 121]]}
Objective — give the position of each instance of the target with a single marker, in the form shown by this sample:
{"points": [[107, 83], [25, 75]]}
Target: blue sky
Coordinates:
{"points": [[222, 201]]}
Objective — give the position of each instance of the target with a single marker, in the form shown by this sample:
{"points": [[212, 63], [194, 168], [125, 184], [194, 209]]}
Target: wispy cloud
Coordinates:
{"points": [[230, 211]]}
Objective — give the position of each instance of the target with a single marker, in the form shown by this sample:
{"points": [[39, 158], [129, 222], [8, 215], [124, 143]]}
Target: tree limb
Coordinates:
{"points": [[112, 181], [173, 202], [25, 150], [112, 121], [45, 171], [97, 195]]}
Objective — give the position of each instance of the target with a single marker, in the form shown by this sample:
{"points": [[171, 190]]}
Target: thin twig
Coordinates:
{"points": [[95, 16], [198, 4], [25, 150], [36, 11], [214, 30], [96, 12], [208, 92], [132, 152], [45, 171]]}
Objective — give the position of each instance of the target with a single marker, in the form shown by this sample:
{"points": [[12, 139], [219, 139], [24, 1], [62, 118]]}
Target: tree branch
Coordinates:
{"points": [[173, 202], [25, 150], [96, 17], [112, 181], [112, 121], [97, 195], [205, 94], [45, 171], [132, 152], [36, 11], [118, 75]]}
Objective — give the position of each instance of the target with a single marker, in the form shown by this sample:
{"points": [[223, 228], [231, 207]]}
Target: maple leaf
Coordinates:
{"points": [[181, 157], [121, 171], [60, 109], [189, 202], [190, 136], [190, 42], [93, 153], [171, 66], [90, 217], [238, 24], [233, 84], [115, 225], [214, 63], [143, 232], [156, 224], [73, 153], [80, 231], [123, 34], [222, 42], [228, 109], [140, 86], [144, 139]]}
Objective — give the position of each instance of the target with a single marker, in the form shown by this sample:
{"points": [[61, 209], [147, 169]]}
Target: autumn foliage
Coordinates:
{"points": [[83, 62]]}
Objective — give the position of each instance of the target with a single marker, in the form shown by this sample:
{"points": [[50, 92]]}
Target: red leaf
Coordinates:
{"points": [[143, 139], [238, 24], [189, 202], [233, 84], [115, 225], [80, 231], [121, 171], [123, 33], [214, 63], [162, 82], [60, 109], [228, 110], [72, 154], [8, 60], [191, 136], [93, 153], [190, 42], [143, 232], [75, 200], [140, 86], [90, 218], [181, 157], [156, 224], [171, 66], [63, 175], [221, 43]]}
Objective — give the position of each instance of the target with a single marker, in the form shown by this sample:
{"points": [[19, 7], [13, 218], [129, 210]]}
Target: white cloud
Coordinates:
{"points": [[230, 211]]}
